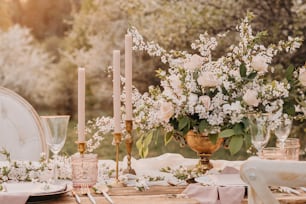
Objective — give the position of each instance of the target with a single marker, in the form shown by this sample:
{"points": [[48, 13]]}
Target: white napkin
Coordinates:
{"points": [[204, 194], [209, 194], [13, 198], [142, 166], [231, 194], [219, 165]]}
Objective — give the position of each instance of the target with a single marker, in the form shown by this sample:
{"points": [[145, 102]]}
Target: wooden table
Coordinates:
{"points": [[159, 195], [129, 195]]}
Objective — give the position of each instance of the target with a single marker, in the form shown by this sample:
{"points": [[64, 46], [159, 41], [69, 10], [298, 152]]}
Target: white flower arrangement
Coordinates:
{"points": [[13, 170], [213, 95]]}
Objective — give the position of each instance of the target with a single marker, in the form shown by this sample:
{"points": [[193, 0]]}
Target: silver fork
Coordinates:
{"points": [[103, 189], [289, 190], [86, 191], [76, 197]]}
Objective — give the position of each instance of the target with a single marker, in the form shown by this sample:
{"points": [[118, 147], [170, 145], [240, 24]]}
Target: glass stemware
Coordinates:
{"points": [[55, 129], [259, 130], [282, 131]]}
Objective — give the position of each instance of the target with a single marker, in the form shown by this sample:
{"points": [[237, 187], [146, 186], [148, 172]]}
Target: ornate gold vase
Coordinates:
{"points": [[201, 144]]}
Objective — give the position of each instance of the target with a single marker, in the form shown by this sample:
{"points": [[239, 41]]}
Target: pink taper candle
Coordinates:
{"points": [[81, 105], [116, 90], [128, 77]]}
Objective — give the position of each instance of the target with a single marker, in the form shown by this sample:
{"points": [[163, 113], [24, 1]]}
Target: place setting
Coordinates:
{"points": [[34, 192]]}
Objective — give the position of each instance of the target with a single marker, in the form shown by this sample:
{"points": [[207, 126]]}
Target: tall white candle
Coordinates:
{"points": [[81, 105], [116, 90], [128, 77]]}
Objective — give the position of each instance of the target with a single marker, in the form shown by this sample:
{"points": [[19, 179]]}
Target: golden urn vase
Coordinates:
{"points": [[200, 143]]}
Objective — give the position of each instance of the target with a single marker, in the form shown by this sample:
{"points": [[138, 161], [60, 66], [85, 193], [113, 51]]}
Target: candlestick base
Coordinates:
{"points": [[128, 145], [117, 138], [117, 184], [129, 171]]}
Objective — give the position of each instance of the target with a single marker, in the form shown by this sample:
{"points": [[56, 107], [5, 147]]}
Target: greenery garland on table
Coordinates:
{"points": [[41, 171]]}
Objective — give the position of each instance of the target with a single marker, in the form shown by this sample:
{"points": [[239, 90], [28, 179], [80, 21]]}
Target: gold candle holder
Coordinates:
{"points": [[128, 145], [117, 138]]}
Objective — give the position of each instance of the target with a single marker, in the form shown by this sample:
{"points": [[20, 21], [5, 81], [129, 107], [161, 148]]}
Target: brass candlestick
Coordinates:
{"points": [[128, 145], [117, 137]]}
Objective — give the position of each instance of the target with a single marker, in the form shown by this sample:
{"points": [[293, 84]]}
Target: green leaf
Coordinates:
{"points": [[238, 129], [168, 137], [156, 133], [224, 91], [289, 108], [245, 122], [145, 152], [235, 144], [252, 75], [247, 140], [143, 143], [148, 138], [213, 138], [242, 70], [227, 133], [139, 142], [140, 146], [203, 125], [183, 122], [289, 72]]}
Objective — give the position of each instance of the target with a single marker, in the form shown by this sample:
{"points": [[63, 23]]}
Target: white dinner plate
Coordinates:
{"points": [[34, 189], [45, 197], [21, 131], [37, 191], [221, 180]]}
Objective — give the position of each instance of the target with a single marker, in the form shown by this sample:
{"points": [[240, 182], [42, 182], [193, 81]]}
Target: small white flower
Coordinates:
{"points": [[176, 84], [141, 184], [208, 79], [302, 77], [205, 100], [166, 111], [250, 98], [193, 98], [194, 62], [259, 63]]}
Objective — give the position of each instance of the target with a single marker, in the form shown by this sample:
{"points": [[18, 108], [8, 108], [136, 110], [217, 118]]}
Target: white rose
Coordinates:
{"points": [[259, 63], [193, 98], [166, 111], [208, 79], [205, 100], [302, 77], [250, 98], [194, 62], [176, 84]]}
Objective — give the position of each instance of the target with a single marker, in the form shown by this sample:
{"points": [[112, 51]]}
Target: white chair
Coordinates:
{"points": [[260, 174], [21, 132]]}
